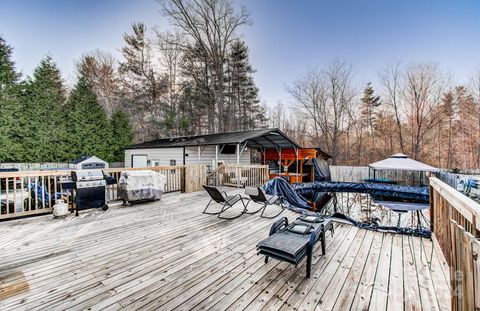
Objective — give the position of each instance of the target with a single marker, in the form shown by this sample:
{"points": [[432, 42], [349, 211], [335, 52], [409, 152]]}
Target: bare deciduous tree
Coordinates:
{"points": [[424, 88], [325, 95], [475, 111], [210, 25], [170, 56], [100, 69], [144, 86], [391, 80]]}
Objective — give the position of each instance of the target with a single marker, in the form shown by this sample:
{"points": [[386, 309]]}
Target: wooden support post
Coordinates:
{"points": [[199, 154], [432, 209], [238, 153], [237, 170], [296, 158], [183, 179], [216, 165], [280, 157]]}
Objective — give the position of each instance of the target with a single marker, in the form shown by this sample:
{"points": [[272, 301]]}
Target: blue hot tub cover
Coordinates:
{"points": [[295, 194]]}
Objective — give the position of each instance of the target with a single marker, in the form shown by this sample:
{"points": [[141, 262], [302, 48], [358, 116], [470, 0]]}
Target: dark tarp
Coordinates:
{"points": [[321, 170], [396, 191], [295, 194], [279, 186]]}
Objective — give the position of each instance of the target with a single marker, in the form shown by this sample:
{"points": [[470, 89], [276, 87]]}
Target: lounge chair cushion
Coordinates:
{"points": [[285, 244], [284, 257], [311, 218]]}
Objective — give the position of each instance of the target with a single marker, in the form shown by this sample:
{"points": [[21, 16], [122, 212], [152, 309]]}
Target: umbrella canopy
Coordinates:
{"points": [[401, 162]]}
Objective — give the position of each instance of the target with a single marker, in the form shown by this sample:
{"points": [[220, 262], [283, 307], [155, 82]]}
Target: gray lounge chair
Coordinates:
{"points": [[227, 201], [293, 242], [257, 195]]}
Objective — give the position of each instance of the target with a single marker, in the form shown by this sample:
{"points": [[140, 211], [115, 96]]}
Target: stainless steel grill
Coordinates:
{"points": [[90, 186]]}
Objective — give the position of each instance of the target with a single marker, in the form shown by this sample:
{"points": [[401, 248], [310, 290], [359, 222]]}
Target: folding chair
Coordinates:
{"points": [[257, 195], [227, 201]]}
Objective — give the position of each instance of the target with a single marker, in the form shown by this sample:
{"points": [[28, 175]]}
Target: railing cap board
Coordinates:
{"points": [[463, 204], [153, 168], [245, 165], [35, 173], [69, 172]]}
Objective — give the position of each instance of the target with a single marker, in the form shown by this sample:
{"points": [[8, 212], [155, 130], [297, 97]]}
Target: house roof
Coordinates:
{"points": [[265, 138], [84, 158], [81, 159], [402, 162]]}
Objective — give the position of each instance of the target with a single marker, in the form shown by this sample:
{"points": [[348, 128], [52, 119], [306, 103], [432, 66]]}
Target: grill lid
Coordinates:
{"points": [[86, 175]]}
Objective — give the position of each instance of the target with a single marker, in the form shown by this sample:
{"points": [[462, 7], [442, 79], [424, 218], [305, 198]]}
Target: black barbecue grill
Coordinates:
{"points": [[90, 189]]}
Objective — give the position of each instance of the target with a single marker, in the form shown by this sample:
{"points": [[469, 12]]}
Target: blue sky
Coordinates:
{"points": [[287, 37]]}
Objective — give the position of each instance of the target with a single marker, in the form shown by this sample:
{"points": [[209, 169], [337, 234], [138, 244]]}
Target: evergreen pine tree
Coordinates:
{"points": [[122, 134], [368, 108], [368, 122], [197, 109], [44, 124], [9, 106], [89, 128], [244, 111]]}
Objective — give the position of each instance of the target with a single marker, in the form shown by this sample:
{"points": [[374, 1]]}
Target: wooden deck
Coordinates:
{"points": [[168, 256]]}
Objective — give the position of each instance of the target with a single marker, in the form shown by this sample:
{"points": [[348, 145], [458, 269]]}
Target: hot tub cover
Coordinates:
{"points": [[295, 194], [397, 191]]}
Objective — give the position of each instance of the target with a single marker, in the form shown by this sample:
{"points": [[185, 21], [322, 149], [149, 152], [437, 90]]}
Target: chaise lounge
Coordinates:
{"points": [[295, 241]]}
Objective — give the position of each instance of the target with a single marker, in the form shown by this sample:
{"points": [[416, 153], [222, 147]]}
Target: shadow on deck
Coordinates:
{"points": [[167, 255]]}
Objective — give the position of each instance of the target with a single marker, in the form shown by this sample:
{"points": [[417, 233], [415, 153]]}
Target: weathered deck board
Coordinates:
{"points": [[167, 255]]}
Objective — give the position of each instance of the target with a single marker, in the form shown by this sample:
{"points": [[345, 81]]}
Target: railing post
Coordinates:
{"points": [[183, 179], [432, 209]]}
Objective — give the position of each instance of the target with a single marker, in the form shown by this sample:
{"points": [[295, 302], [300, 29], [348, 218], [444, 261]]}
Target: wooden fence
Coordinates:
{"points": [[348, 173], [29, 193], [455, 222], [239, 175]]}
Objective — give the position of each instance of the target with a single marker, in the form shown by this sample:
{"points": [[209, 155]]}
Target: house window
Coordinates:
{"points": [[173, 162]]}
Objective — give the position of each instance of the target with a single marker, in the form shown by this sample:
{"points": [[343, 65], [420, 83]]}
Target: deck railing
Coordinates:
{"points": [[35, 192], [26, 193], [455, 222], [239, 175], [175, 177]]}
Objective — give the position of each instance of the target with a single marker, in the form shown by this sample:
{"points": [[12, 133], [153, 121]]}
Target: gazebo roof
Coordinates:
{"points": [[401, 162]]}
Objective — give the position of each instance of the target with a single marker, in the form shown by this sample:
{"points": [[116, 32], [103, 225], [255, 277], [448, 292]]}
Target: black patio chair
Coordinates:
{"points": [[257, 195], [227, 201]]}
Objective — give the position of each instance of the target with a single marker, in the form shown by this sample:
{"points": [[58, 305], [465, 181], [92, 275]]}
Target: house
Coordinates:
{"points": [[209, 149], [88, 162]]}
